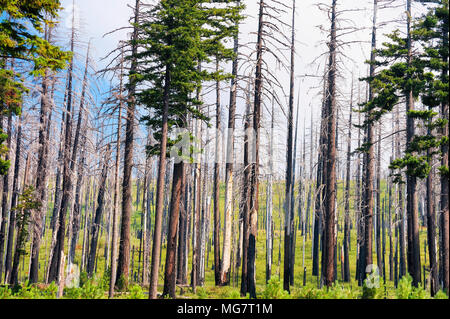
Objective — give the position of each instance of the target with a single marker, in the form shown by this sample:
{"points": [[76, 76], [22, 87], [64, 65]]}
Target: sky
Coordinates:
{"points": [[98, 17]]}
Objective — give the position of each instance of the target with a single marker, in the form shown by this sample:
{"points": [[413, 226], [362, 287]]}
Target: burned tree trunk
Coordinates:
{"points": [[41, 175], [217, 187], [369, 172], [123, 263], [225, 268], [160, 190], [245, 198], [413, 249], [177, 190], [330, 159], [378, 205], [318, 203], [5, 193], [431, 229], [444, 220], [347, 196], [55, 262], [269, 203], [226, 258], [15, 195], [290, 179], [116, 188], [95, 228]]}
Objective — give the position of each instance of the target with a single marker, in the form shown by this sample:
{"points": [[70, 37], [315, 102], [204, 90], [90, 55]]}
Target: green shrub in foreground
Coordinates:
{"points": [[274, 290], [336, 291], [136, 292], [406, 290]]}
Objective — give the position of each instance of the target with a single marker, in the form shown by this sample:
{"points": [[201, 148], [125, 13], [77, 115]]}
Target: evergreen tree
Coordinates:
{"points": [[424, 75]]}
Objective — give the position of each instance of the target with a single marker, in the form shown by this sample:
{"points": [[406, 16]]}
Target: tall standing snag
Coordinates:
{"points": [[330, 158]]}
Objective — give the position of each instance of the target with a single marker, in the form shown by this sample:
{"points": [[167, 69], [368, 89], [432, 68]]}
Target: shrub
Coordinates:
{"points": [[234, 294], [440, 295], [83, 278], [274, 290], [406, 290], [27, 292], [105, 280], [5, 293], [340, 292], [91, 290], [50, 292], [72, 293], [334, 292], [307, 292]]}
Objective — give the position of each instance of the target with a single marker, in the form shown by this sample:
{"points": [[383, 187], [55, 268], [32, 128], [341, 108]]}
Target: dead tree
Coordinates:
{"points": [[413, 248], [225, 268], [290, 177], [123, 262], [5, 193], [330, 158], [14, 199], [369, 173], [217, 186], [95, 228], [346, 265]]}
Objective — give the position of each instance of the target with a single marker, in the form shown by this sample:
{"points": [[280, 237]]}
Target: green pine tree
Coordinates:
{"points": [[426, 76], [21, 30], [178, 36]]}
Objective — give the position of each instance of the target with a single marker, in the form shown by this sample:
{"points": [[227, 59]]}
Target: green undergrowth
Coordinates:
{"points": [[97, 287], [274, 290]]}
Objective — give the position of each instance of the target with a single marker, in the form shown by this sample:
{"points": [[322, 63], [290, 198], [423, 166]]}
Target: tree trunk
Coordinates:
{"points": [[290, 179], [431, 229], [73, 218], [254, 166], [444, 201], [5, 193], [160, 190], [15, 195], [330, 159], [318, 203], [369, 173], [123, 262], [77, 208], [414, 267], [379, 208], [391, 248], [146, 214], [177, 190], [95, 228], [55, 262], [115, 218], [183, 231], [20, 241], [41, 174], [347, 196], [217, 187], [196, 212], [226, 257], [246, 197], [269, 201]]}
